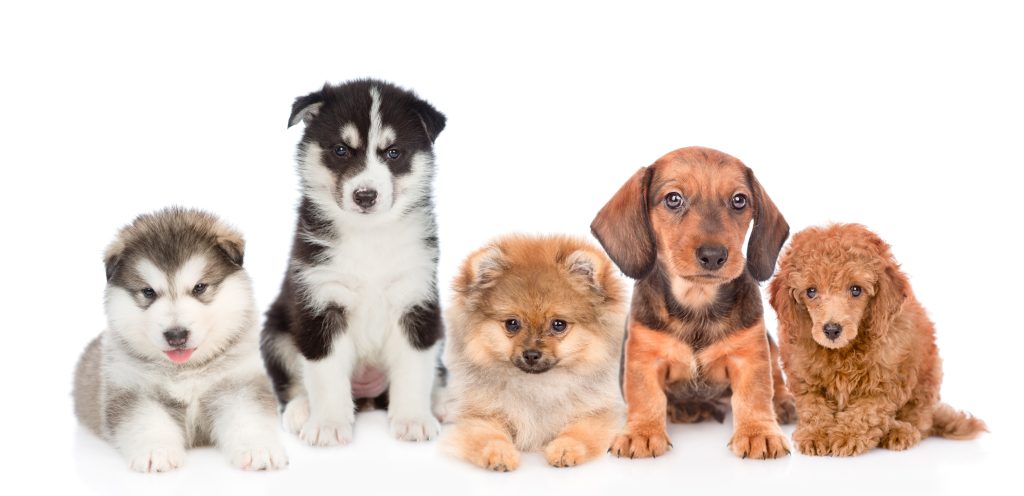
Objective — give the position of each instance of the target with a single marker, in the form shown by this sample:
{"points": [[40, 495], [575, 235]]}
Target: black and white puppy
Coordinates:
{"points": [[358, 314]]}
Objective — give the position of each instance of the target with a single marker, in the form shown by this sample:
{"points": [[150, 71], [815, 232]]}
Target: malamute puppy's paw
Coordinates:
{"points": [[267, 456], [295, 415], [421, 428], [156, 458]]}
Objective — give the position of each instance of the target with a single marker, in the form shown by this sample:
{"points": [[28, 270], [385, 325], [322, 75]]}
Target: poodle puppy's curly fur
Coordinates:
{"points": [[858, 348]]}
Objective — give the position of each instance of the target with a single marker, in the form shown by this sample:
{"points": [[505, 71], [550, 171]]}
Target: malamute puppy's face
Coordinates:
{"points": [[538, 304], [176, 291], [367, 149]]}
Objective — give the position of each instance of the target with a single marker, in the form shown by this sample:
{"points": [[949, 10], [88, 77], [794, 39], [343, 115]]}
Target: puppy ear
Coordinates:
{"points": [[432, 120], [480, 270], [232, 244], [887, 302], [624, 229], [112, 257], [306, 107], [769, 233], [792, 315]]}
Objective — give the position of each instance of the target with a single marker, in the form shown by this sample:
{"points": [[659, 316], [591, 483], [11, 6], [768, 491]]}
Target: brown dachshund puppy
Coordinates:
{"points": [[858, 348], [696, 333]]}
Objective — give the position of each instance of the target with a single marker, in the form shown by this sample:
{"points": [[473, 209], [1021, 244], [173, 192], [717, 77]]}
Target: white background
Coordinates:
{"points": [[906, 117]]}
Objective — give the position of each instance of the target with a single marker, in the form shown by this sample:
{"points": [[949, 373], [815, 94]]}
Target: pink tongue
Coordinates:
{"points": [[179, 356]]}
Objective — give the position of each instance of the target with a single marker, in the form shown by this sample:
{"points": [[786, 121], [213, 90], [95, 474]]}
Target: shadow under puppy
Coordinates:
{"points": [[535, 335], [696, 331], [858, 348], [178, 365]]}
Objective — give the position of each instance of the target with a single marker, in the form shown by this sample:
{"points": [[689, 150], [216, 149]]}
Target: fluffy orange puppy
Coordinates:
{"points": [[858, 348], [536, 328]]}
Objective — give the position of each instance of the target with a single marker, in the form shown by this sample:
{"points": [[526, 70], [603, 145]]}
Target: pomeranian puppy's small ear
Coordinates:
{"points": [[481, 269]]}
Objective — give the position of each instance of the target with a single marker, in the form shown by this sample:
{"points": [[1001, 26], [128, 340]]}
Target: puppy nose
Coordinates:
{"points": [[532, 356], [833, 330], [365, 197], [712, 257], [176, 336]]}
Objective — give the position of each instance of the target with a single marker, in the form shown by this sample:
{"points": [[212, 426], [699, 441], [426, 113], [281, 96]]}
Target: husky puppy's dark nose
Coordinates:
{"points": [[712, 257], [833, 330], [365, 197], [176, 336], [532, 356]]}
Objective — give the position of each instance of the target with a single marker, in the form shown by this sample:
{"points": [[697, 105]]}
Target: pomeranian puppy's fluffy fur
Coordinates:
{"points": [[536, 332]]}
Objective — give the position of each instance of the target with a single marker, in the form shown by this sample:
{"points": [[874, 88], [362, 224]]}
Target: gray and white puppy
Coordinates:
{"points": [[178, 365]]}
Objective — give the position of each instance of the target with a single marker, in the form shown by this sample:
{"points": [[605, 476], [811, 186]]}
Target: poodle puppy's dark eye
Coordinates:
{"points": [[856, 291], [739, 202], [812, 292], [512, 325], [558, 326], [148, 293], [341, 150], [393, 153], [674, 200], [199, 289]]}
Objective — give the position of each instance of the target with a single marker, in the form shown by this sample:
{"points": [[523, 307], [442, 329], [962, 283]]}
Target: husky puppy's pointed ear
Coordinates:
{"points": [[433, 121], [112, 257], [306, 107]]}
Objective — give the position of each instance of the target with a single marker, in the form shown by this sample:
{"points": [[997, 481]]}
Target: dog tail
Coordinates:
{"points": [[951, 423]]}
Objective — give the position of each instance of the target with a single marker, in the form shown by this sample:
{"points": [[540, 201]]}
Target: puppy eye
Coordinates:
{"points": [[674, 200], [558, 326], [512, 325], [393, 153], [148, 293], [199, 289], [739, 202], [341, 150], [856, 291], [812, 292]]}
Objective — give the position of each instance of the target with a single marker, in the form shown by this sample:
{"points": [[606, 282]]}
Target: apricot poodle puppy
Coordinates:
{"points": [[858, 348]]}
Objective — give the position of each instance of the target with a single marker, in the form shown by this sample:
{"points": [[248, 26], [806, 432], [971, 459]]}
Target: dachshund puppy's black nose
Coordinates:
{"points": [[833, 330], [176, 336], [712, 257], [532, 356], [365, 197]]}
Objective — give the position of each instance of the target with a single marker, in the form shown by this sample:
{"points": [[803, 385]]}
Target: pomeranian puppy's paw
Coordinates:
{"points": [[641, 443], [267, 457], [759, 441], [499, 456], [901, 435], [296, 414], [157, 459], [811, 441], [565, 451], [327, 433], [422, 428]]}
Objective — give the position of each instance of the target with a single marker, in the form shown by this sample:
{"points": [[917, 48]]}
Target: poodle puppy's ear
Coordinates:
{"points": [[886, 303], [624, 229], [792, 315], [306, 107], [481, 270], [769, 233]]}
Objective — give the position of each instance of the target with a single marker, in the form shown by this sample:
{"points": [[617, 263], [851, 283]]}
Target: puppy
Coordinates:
{"points": [[858, 348], [696, 329], [536, 328], [357, 316], [178, 365]]}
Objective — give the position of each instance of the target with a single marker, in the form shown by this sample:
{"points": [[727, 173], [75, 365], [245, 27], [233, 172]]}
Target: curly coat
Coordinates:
{"points": [[858, 348]]}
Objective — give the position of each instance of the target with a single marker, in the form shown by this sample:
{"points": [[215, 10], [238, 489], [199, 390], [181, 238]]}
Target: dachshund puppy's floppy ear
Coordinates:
{"points": [[306, 107], [433, 121], [769, 233], [624, 229], [886, 303]]}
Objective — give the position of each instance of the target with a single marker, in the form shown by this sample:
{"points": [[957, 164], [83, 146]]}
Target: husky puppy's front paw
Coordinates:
{"points": [[157, 459], [420, 428], [327, 433], [266, 457]]}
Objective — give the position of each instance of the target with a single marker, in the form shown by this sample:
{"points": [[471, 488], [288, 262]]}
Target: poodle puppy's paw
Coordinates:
{"points": [[901, 435], [760, 441], [296, 414], [327, 433], [565, 451], [641, 443], [811, 441], [270, 457], [423, 428], [785, 408], [849, 444], [499, 456], [157, 459]]}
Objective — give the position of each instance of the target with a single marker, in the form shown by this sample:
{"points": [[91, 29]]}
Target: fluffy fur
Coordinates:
{"points": [[178, 365], [519, 379], [697, 339], [357, 318], [858, 348]]}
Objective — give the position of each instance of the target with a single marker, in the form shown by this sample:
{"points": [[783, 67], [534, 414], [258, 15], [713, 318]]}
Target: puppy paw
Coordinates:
{"points": [[269, 457], [901, 435], [759, 441], [499, 456], [422, 428], [296, 414], [811, 441], [326, 433], [565, 452], [157, 459], [845, 444], [641, 443], [785, 408]]}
